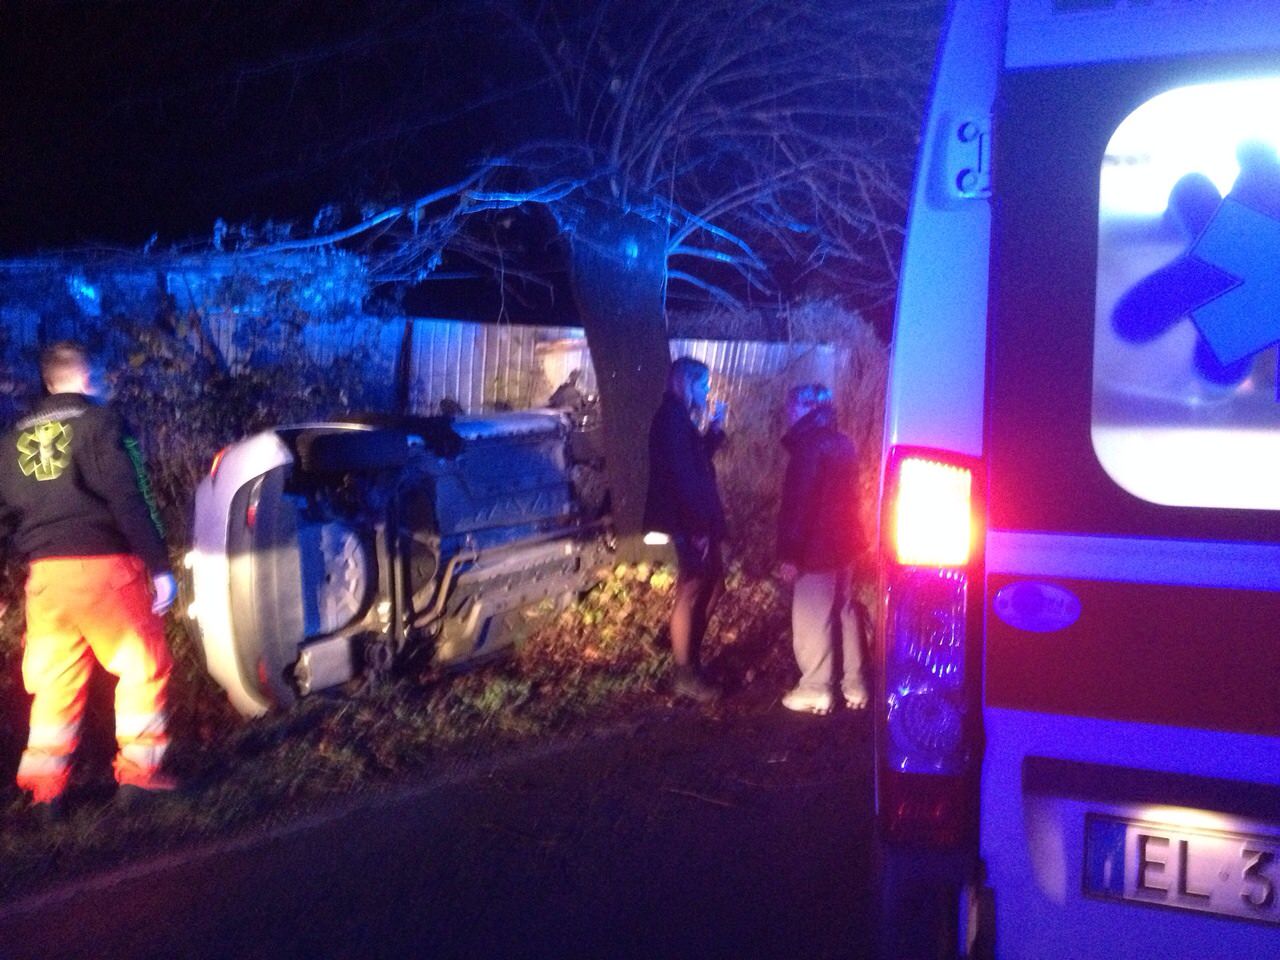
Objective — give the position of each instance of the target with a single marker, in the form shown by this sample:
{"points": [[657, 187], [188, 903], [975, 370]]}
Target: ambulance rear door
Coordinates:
{"points": [[1130, 787]]}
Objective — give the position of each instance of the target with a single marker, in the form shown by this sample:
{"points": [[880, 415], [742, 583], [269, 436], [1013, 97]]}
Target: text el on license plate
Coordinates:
{"points": [[1209, 871]]}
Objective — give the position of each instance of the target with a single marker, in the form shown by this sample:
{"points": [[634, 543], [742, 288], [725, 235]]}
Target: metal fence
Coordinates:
{"points": [[490, 366], [487, 367]]}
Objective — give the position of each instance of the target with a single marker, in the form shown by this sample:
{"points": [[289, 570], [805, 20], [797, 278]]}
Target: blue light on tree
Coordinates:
{"points": [[85, 294]]}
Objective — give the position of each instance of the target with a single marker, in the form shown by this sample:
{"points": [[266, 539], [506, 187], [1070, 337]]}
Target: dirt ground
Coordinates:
{"points": [[742, 831]]}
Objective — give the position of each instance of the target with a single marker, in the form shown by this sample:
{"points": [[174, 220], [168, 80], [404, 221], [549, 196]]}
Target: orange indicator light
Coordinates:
{"points": [[217, 460]]}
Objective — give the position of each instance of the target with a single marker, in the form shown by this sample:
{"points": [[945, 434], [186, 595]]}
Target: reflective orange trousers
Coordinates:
{"points": [[79, 608]]}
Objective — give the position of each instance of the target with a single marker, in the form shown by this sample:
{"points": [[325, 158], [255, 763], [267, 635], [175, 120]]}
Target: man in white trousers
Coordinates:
{"points": [[818, 539]]}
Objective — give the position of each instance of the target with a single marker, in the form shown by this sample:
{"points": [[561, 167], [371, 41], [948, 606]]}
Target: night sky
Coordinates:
{"points": [[124, 119]]}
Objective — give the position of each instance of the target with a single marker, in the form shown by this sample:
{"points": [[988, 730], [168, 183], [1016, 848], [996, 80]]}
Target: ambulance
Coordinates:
{"points": [[1078, 705]]}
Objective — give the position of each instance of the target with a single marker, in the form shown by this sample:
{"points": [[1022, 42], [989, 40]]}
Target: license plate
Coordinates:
{"points": [[1208, 871]]}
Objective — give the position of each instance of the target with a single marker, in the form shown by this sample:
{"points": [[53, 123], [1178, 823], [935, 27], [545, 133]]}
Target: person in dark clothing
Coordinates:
{"points": [[818, 539], [683, 502], [77, 504]]}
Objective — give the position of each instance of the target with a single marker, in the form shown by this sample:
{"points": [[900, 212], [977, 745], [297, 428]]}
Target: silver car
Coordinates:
{"points": [[331, 553]]}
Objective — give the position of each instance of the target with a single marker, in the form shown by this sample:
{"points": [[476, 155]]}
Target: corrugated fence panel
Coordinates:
{"points": [[489, 360], [741, 367], [482, 366]]}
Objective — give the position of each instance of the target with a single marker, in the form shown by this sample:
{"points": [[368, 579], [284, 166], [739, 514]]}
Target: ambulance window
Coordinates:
{"points": [[1186, 399]]}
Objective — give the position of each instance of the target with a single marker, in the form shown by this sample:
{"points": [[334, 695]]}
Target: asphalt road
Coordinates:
{"points": [[684, 835]]}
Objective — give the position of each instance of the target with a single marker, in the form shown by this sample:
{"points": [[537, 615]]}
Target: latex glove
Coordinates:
{"points": [[166, 591]]}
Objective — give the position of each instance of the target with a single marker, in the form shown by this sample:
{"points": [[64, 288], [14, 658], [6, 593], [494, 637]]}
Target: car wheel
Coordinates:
{"points": [[337, 575], [359, 451]]}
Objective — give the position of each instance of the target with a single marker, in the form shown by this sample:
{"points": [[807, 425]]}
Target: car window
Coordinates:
{"points": [[1185, 405]]}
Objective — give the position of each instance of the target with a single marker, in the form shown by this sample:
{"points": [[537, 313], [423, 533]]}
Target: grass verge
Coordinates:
{"points": [[600, 661]]}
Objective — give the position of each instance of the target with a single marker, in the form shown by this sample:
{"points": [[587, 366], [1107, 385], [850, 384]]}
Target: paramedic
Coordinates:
{"points": [[77, 503]]}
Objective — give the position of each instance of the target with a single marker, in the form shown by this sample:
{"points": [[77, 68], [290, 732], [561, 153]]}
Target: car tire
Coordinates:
{"points": [[356, 451]]}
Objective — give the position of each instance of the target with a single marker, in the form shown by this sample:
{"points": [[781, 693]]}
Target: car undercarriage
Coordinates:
{"points": [[338, 553]]}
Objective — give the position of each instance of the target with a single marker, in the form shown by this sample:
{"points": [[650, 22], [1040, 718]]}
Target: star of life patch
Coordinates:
{"points": [[44, 451]]}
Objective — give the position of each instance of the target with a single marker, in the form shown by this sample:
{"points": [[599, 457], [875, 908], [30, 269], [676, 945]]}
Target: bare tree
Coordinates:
{"points": [[733, 151], [730, 150]]}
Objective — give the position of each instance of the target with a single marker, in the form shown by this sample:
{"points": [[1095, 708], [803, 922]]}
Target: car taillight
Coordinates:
{"points": [[925, 737], [251, 508], [217, 460]]}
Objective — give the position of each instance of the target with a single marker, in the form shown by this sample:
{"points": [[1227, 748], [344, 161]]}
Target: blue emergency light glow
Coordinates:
{"points": [[85, 294]]}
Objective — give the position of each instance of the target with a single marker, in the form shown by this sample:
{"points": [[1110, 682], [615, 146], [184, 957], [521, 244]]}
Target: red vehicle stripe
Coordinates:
{"points": [[1206, 658]]}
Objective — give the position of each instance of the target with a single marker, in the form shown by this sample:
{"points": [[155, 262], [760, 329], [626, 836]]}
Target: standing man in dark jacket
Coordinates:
{"points": [[818, 539], [683, 502], [78, 505]]}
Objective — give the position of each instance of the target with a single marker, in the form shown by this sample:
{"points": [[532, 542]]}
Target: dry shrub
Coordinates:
{"points": [[186, 404], [750, 468]]}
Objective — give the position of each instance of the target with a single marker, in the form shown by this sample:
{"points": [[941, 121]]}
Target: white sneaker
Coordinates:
{"points": [[808, 701]]}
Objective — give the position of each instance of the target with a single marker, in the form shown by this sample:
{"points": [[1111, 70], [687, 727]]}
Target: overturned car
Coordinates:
{"points": [[331, 553]]}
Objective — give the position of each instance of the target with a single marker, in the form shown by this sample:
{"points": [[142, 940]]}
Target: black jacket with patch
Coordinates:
{"points": [[72, 485]]}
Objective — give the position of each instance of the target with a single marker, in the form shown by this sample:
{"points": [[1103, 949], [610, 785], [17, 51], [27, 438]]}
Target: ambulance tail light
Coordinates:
{"points": [[928, 702]]}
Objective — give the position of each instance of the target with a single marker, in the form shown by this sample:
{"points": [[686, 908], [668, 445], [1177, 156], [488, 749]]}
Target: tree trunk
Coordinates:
{"points": [[618, 271]]}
